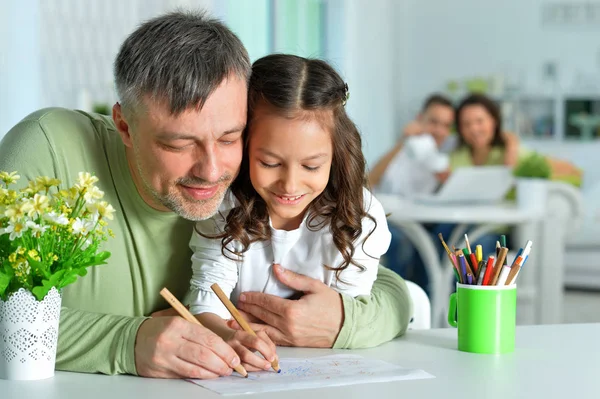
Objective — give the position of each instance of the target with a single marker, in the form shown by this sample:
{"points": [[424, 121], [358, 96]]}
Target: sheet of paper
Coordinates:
{"points": [[303, 373]]}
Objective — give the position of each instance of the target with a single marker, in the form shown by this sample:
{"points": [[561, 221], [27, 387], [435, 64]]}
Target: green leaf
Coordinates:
{"points": [[4, 282], [38, 266], [40, 292], [69, 278], [534, 165]]}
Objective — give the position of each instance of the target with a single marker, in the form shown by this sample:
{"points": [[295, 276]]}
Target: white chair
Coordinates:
{"points": [[421, 309]]}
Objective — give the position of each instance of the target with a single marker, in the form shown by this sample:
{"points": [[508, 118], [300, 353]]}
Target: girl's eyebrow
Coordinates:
{"points": [[309, 158]]}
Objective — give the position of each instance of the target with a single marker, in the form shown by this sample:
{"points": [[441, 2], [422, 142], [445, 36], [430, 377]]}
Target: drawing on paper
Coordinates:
{"points": [[313, 373]]}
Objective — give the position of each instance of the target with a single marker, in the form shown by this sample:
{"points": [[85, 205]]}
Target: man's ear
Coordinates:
{"points": [[122, 125], [420, 117]]}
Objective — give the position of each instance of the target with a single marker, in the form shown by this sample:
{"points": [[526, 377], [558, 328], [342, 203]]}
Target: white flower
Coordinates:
{"points": [[53, 217], [36, 228], [82, 226], [37, 205], [9, 178], [16, 229], [86, 180], [17, 211], [102, 208], [92, 194]]}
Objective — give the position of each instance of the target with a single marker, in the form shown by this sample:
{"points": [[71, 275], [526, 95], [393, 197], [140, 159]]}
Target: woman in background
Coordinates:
{"points": [[482, 142]]}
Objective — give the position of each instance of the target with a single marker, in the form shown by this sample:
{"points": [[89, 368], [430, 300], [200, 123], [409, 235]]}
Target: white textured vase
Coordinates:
{"points": [[29, 335]]}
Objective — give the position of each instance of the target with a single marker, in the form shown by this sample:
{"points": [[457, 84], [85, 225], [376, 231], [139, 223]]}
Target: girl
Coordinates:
{"points": [[299, 200]]}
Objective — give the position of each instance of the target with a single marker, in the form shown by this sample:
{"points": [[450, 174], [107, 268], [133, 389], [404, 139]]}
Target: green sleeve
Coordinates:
{"points": [[88, 342], [372, 320], [96, 343]]}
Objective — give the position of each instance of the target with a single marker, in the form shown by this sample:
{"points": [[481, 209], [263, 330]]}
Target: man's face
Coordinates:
{"points": [[437, 120], [185, 163]]}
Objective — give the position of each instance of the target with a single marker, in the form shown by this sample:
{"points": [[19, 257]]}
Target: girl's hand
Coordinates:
{"points": [[245, 345]]}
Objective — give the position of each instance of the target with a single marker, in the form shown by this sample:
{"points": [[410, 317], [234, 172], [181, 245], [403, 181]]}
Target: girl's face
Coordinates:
{"points": [[290, 161], [477, 126]]}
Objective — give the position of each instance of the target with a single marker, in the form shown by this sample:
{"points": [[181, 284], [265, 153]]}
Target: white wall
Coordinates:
{"points": [[467, 38], [20, 79], [363, 39]]}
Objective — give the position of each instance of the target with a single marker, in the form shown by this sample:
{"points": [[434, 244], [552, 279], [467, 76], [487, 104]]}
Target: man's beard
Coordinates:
{"points": [[176, 202]]}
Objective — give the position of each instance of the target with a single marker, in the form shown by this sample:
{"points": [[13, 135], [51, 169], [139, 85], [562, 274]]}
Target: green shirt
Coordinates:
{"points": [[102, 311], [461, 157]]}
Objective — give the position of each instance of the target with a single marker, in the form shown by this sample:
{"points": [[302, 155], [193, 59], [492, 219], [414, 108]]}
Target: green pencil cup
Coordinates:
{"points": [[485, 317]]}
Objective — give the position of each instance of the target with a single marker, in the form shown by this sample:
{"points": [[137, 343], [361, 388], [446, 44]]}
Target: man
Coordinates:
{"points": [[164, 161], [436, 119], [400, 172]]}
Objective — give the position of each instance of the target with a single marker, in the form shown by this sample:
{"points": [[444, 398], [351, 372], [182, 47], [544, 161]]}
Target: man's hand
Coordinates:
{"points": [[414, 128], [314, 320], [171, 347]]}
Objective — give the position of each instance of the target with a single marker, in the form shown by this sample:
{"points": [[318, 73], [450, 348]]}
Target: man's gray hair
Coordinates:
{"points": [[178, 59]]}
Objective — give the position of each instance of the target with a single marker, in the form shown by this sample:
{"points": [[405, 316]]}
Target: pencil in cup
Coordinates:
{"points": [[238, 317], [499, 263], [453, 259], [183, 312], [489, 269]]}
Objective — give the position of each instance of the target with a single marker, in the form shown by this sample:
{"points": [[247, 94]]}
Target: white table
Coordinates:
{"points": [[550, 361], [410, 216]]}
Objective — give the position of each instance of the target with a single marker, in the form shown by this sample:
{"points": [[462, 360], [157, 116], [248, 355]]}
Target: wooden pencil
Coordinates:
{"points": [[514, 270], [499, 263], [448, 252], [467, 243], [238, 317], [183, 312]]}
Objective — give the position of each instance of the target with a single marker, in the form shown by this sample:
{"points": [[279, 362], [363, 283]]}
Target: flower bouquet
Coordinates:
{"points": [[48, 238]]}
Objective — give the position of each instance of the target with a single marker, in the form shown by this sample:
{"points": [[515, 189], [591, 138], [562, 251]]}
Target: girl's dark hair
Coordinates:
{"points": [[491, 107], [298, 87]]}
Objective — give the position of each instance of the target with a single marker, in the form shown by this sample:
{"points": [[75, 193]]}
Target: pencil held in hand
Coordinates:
{"points": [[183, 312], [238, 317]]}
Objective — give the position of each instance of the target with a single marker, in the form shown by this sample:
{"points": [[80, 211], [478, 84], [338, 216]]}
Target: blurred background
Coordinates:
{"points": [[539, 59]]}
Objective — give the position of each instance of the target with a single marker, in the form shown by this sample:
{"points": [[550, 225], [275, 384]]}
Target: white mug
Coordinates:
{"points": [[421, 147]]}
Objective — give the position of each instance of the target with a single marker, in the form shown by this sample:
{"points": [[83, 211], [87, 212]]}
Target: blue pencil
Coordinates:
{"points": [[463, 266]]}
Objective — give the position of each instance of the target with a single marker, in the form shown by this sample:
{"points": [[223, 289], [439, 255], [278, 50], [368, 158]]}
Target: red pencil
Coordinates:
{"points": [[474, 263], [488, 271]]}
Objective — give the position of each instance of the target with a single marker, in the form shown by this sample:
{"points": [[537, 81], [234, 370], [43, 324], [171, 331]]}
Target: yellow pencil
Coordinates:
{"points": [[479, 253], [238, 317], [183, 312]]}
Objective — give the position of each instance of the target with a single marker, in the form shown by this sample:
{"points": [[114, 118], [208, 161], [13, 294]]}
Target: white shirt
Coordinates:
{"points": [[409, 175], [302, 250]]}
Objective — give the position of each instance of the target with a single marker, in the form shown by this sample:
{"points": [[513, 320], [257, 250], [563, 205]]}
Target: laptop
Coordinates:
{"points": [[481, 184]]}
